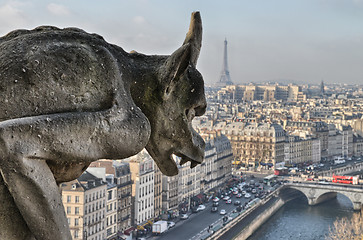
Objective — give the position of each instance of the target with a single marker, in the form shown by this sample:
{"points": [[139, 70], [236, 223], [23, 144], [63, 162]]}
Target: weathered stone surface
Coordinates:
{"points": [[69, 98]]}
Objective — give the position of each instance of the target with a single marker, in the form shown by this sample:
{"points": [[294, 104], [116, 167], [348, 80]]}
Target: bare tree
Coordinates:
{"points": [[347, 229]]}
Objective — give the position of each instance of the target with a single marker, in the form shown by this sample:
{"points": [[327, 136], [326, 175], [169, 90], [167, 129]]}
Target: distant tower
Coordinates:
{"points": [[322, 90], [225, 79]]}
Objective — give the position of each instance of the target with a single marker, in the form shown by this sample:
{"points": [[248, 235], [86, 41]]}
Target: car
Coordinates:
{"points": [[229, 201], [194, 210], [184, 216], [244, 193], [200, 207], [235, 192], [254, 190], [222, 212], [226, 198], [214, 209], [171, 224], [247, 195], [239, 208], [238, 195], [237, 203], [215, 204], [216, 199]]}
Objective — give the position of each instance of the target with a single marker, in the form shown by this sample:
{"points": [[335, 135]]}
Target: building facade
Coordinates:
{"points": [[118, 173], [142, 175], [170, 197], [239, 93], [257, 144], [84, 201]]}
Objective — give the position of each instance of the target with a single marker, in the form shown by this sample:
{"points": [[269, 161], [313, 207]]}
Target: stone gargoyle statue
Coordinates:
{"points": [[69, 98]]}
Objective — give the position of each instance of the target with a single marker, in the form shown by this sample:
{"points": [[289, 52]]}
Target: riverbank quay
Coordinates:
{"points": [[244, 225]]}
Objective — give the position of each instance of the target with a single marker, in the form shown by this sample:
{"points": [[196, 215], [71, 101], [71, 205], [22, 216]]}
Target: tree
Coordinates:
{"points": [[347, 229]]}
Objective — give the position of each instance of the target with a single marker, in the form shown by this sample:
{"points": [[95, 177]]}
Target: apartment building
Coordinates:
{"points": [[316, 129], [170, 196], [189, 182], [118, 173], [256, 144], [157, 192], [84, 201], [301, 150], [217, 166], [142, 176], [252, 92], [208, 167], [111, 211]]}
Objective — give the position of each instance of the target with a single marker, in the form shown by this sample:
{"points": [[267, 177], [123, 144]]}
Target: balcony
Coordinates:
{"points": [[124, 184], [125, 195]]}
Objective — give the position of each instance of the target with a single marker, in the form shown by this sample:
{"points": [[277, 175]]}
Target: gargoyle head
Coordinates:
{"points": [[174, 102]]}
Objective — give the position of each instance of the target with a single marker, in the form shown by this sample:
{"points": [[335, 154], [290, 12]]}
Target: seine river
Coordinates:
{"points": [[299, 221]]}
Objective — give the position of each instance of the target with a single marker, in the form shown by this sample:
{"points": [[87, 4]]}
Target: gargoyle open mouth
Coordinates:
{"points": [[185, 159]]}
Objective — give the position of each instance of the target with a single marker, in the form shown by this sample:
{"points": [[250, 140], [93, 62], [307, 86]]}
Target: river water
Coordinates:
{"points": [[298, 221]]}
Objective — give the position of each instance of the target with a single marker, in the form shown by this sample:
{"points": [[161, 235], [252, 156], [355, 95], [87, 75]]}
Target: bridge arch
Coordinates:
{"points": [[316, 194], [290, 193]]}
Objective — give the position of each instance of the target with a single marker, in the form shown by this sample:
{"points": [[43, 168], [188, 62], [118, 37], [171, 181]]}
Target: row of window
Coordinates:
{"points": [[94, 207], [111, 220], [95, 195], [69, 210], [143, 217], [69, 199], [95, 218], [112, 206], [144, 190], [145, 203]]}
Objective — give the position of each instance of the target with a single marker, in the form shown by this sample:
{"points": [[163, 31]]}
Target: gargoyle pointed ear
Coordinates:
{"points": [[188, 53], [194, 37]]}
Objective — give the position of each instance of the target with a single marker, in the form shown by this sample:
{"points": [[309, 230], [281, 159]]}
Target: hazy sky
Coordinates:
{"points": [[302, 40]]}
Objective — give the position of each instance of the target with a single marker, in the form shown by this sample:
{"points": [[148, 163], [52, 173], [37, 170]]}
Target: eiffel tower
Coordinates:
{"points": [[225, 79]]}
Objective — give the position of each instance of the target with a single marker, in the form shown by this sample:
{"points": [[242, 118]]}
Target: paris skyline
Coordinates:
{"points": [[303, 41]]}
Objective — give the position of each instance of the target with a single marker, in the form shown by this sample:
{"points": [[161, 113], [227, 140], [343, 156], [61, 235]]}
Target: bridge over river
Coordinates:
{"points": [[317, 192]]}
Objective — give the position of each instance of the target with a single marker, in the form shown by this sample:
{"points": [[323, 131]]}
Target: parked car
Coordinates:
{"points": [[171, 224], [222, 212], [184, 216], [229, 201], [214, 209], [200, 207]]}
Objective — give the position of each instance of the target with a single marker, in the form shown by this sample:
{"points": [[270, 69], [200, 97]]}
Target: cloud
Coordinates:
{"points": [[57, 9], [139, 20], [11, 16]]}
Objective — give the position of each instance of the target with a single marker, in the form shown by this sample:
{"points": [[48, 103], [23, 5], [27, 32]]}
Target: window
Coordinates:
{"points": [[69, 199], [76, 222], [76, 210], [109, 195], [77, 199], [76, 234], [68, 210]]}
